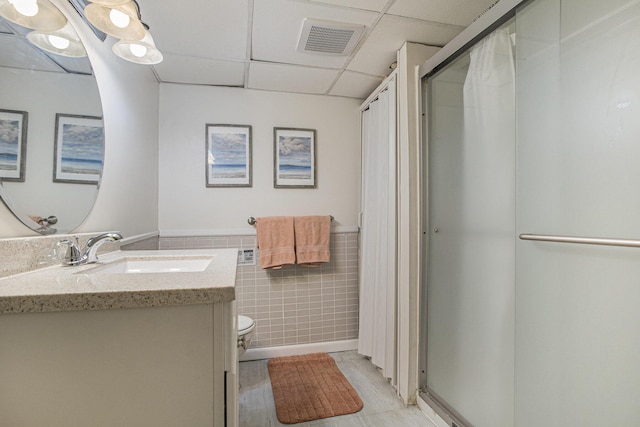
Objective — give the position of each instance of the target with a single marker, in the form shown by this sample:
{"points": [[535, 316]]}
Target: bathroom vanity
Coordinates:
{"points": [[144, 338]]}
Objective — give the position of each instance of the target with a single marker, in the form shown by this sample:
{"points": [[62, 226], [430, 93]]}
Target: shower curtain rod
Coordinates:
{"points": [[252, 221], [381, 88], [377, 97]]}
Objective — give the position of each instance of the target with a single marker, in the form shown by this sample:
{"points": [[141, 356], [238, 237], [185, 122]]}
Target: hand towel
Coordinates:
{"points": [[312, 234], [275, 241]]}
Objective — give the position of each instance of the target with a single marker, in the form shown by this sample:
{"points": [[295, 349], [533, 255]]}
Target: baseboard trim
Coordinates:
{"points": [[295, 350]]}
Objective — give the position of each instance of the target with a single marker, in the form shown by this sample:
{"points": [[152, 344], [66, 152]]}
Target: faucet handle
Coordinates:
{"points": [[73, 252]]}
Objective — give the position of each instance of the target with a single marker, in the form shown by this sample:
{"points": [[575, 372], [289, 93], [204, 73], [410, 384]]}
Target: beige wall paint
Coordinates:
{"points": [[186, 204]]}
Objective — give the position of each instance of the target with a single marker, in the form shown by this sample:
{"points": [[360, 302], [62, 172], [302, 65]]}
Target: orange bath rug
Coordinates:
{"points": [[310, 387]]}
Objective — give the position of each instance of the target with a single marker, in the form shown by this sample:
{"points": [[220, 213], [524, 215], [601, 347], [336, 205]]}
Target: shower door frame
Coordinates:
{"points": [[485, 24]]}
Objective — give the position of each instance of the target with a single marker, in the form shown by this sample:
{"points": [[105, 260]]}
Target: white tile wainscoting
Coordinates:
{"points": [[293, 306]]}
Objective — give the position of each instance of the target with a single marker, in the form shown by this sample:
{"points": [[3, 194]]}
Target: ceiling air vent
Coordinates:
{"points": [[329, 38]]}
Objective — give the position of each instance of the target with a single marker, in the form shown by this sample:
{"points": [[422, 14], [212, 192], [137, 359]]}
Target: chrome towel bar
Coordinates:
{"points": [[581, 240], [252, 221]]}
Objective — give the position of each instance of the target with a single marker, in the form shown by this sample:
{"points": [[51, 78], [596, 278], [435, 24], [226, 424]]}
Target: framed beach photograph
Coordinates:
{"points": [[78, 149], [13, 145], [228, 155], [294, 158]]}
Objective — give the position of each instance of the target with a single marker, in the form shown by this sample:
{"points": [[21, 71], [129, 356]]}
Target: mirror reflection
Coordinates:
{"points": [[51, 132]]}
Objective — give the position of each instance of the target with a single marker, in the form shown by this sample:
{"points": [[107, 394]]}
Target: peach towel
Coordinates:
{"points": [[275, 241], [312, 234]]}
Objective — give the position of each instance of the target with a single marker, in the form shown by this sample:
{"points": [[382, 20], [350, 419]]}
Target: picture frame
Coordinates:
{"points": [[78, 149], [294, 158], [13, 145], [228, 158]]}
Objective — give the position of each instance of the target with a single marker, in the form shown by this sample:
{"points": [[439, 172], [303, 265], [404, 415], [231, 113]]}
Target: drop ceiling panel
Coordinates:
{"points": [[188, 69], [73, 65], [207, 41], [374, 5], [355, 85], [456, 12], [277, 25], [290, 78], [16, 52], [203, 28], [379, 50]]}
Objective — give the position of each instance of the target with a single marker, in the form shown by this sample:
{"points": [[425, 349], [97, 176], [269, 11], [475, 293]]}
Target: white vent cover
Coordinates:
{"points": [[329, 38]]}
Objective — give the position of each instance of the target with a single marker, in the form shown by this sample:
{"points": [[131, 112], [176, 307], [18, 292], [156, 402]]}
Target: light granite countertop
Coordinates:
{"points": [[60, 288]]}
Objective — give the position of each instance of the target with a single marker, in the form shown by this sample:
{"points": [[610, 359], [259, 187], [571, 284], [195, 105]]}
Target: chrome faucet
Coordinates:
{"points": [[90, 252]]}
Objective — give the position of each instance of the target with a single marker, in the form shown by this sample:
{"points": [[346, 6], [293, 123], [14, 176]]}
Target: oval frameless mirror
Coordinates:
{"points": [[51, 131]]}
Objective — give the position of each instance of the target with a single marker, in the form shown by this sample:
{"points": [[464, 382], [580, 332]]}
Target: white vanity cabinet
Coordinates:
{"points": [[160, 365]]}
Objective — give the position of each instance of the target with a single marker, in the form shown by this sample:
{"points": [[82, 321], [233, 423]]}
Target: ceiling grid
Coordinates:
{"points": [[253, 43]]}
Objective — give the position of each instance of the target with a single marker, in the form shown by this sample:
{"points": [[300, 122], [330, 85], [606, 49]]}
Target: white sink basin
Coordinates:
{"points": [[161, 265]]}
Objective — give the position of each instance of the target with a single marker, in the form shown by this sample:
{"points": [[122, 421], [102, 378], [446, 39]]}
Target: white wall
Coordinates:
{"points": [[127, 200], [186, 206]]}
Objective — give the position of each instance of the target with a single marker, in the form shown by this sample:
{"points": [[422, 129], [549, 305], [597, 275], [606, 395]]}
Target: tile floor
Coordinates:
{"points": [[381, 405]]}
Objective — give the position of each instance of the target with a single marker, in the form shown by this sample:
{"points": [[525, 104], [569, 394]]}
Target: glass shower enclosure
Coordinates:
{"points": [[531, 293]]}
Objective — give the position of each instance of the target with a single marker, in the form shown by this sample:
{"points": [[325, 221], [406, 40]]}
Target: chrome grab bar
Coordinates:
{"points": [[581, 240]]}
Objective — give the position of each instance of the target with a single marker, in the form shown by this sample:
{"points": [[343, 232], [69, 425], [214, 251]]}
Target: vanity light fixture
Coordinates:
{"points": [[116, 18], [35, 14], [122, 19], [64, 41], [139, 51]]}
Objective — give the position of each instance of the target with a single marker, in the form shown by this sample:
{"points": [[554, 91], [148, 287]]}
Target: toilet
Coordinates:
{"points": [[246, 327]]}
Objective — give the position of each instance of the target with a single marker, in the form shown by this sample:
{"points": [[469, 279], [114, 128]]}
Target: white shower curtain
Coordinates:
{"points": [[378, 234]]}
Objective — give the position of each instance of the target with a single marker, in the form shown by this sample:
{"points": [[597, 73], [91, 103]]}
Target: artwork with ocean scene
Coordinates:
{"points": [[12, 144], [79, 149], [295, 158], [9, 144], [228, 156]]}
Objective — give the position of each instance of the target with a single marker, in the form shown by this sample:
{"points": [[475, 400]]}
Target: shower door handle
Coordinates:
{"points": [[581, 240]]}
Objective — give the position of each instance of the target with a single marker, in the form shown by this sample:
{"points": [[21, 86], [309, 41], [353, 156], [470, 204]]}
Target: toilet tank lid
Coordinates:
{"points": [[244, 322]]}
